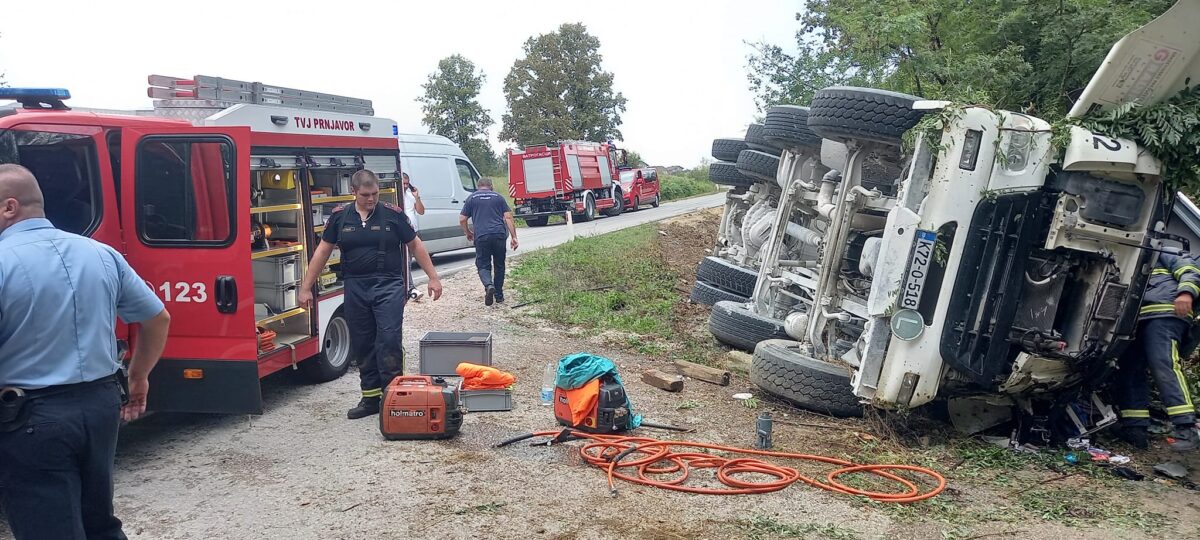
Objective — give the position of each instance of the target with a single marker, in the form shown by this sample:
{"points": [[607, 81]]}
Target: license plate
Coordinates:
{"points": [[918, 269], [524, 210]]}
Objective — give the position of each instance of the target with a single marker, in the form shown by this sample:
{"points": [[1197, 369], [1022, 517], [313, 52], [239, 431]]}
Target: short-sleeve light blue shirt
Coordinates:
{"points": [[60, 294]]}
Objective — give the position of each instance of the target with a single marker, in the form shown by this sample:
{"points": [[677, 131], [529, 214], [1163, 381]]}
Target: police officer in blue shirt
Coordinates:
{"points": [[60, 391]]}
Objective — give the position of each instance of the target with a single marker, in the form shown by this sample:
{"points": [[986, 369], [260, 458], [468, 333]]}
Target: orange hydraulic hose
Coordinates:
{"points": [[656, 457]]}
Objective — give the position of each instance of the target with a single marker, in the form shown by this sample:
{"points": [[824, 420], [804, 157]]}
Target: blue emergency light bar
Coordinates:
{"points": [[37, 98]]}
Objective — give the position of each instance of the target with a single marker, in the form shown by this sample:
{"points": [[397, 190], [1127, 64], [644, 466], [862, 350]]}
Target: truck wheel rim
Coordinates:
{"points": [[337, 342]]}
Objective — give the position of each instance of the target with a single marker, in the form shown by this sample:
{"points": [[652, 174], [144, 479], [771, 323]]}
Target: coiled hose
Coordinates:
{"points": [[655, 458]]}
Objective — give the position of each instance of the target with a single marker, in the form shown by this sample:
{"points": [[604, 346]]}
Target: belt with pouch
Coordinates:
{"points": [[14, 413]]}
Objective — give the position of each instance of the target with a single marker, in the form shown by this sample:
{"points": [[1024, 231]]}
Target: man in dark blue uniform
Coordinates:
{"points": [[374, 239], [493, 222], [60, 392]]}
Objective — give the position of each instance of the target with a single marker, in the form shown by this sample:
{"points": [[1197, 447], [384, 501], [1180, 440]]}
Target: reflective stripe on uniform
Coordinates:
{"points": [[1183, 385], [374, 392], [1189, 286], [1180, 409], [1160, 272], [1157, 308], [1188, 268], [1135, 413]]}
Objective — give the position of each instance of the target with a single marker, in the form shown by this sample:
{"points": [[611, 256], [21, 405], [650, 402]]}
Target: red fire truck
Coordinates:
{"points": [[572, 176], [215, 196]]}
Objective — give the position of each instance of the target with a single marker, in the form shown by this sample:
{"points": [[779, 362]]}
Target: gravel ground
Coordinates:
{"points": [[302, 470]]}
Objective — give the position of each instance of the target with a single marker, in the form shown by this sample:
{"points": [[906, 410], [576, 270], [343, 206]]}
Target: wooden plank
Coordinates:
{"points": [[707, 374], [665, 381]]}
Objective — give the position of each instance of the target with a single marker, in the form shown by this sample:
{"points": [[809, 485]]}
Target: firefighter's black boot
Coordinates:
{"points": [[366, 407], [489, 295], [1183, 439], [1136, 436]]}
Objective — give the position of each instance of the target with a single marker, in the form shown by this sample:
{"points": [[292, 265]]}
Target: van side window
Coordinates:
{"points": [[185, 191], [65, 166], [467, 174]]}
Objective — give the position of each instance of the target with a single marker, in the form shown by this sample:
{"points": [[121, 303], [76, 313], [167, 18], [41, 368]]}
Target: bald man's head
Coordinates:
{"points": [[20, 196]]}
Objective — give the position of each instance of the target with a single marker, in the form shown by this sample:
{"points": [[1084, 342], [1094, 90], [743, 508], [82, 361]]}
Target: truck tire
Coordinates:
{"points": [[760, 165], [334, 358], [728, 149], [619, 208], [735, 325], [844, 113], [537, 221], [780, 369], [755, 141], [727, 174], [726, 275], [709, 294], [589, 209], [787, 126]]}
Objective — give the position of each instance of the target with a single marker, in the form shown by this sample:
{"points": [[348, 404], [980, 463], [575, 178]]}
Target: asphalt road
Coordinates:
{"points": [[535, 238]]}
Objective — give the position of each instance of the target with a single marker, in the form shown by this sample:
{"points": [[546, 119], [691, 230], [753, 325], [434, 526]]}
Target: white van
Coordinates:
{"points": [[445, 177]]}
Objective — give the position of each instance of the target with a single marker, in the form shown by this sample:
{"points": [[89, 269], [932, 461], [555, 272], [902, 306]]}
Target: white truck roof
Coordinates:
{"points": [[1149, 64]]}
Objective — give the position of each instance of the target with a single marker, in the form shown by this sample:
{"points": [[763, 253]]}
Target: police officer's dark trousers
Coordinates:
{"points": [[489, 260], [1157, 347], [57, 467], [375, 311]]}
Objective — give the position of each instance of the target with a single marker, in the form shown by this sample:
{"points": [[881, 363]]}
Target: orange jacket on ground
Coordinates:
{"points": [[477, 377]]}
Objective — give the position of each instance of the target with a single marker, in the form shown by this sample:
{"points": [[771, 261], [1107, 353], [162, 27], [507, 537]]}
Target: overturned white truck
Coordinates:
{"points": [[997, 272]]}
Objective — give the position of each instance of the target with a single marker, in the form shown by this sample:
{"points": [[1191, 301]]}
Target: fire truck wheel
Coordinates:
{"points": [[755, 141], [709, 294], [727, 174], [787, 126], [539, 221], [848, 113], [334, 358], [780, 369], [760, 165], [735, 325], [726, 275], [728, 149], [589, 209], [619, 205]]}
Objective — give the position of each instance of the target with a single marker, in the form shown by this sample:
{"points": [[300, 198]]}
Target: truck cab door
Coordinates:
{"points": [[186, 200]]}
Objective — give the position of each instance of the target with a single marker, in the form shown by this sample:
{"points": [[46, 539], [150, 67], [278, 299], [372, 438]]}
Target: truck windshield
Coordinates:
{"points": [[65, 167]]}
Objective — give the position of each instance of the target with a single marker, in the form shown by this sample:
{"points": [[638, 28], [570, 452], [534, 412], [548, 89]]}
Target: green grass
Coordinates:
{"points": [[616, 281], [764, 527]]}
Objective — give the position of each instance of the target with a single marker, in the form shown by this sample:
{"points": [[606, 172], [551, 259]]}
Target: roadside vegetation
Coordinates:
{"points": [[690, 183]]}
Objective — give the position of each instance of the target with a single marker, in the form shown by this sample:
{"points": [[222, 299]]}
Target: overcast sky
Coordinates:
{"points": [[681, 64]]}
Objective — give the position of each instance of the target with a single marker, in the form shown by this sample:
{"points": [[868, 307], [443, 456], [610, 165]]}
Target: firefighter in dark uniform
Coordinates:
{"points": [[374, 239], [1165, 319]]}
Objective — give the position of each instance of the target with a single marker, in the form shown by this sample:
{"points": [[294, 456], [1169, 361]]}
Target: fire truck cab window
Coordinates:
{"points": [[184, 191], [65, 166], [466, 174]]}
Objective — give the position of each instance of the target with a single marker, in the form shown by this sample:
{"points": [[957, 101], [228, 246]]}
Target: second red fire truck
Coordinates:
{"points": [[569, 176]]}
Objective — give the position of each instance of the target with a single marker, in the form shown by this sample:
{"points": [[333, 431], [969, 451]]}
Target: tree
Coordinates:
{"points": [[452, 109], [634, 159], [559, 92], [1016, 54]]}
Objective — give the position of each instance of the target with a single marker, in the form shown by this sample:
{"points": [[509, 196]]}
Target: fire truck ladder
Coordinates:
{"points": [[205, 92]]}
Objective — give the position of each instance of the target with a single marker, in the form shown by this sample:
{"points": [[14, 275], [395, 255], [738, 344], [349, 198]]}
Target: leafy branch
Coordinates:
{"points": [[1168, 130]]}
